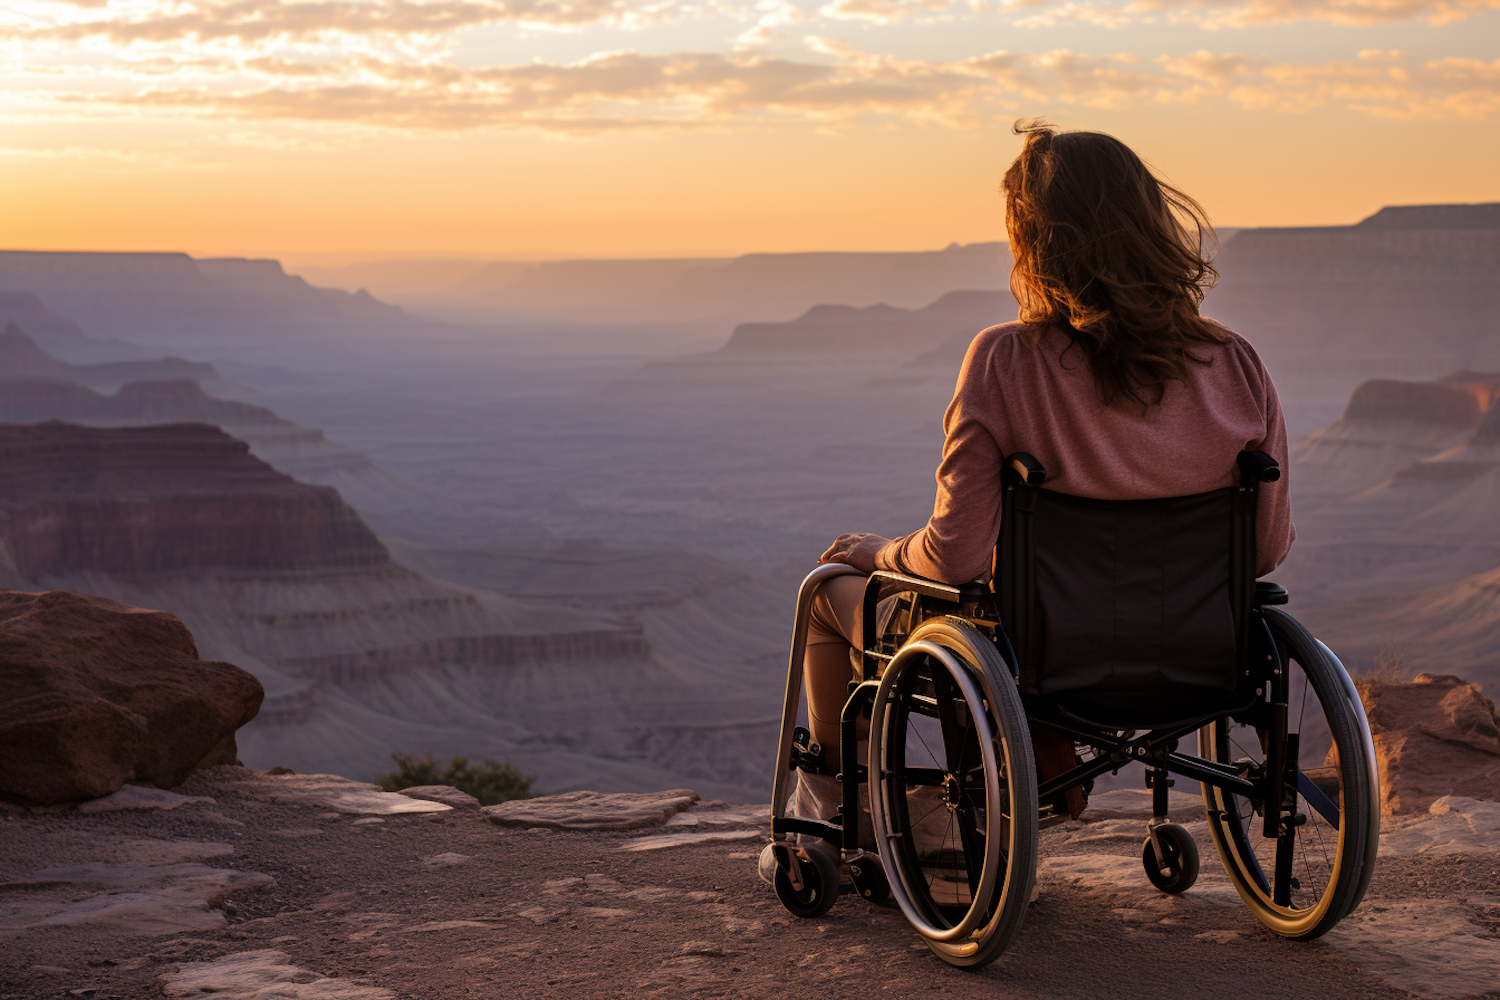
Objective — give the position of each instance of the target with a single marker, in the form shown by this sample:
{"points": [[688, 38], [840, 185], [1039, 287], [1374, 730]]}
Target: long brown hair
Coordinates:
{"points": [[1112, 254]]}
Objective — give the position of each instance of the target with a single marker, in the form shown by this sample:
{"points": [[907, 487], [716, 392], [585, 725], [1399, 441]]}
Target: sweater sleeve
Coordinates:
{"points": [[1274, 531], [957, 544]]}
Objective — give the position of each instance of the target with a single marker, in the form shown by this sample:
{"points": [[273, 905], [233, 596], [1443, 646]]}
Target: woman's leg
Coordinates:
{"points": [[833, 630]]}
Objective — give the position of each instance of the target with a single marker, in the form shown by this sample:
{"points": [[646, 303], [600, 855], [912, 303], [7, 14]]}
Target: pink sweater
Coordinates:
{"points": [[1013, 395]]}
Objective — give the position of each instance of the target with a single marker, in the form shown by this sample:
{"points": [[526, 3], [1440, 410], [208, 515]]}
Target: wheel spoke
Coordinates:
{"points": [[1316, 798]]}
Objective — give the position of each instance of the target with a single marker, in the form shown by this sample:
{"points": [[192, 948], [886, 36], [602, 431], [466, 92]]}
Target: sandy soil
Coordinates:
{"points": [[448, 905]]}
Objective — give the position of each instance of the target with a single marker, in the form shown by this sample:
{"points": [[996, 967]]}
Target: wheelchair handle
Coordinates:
{"points": [[1026, 469], [1258, 467]]}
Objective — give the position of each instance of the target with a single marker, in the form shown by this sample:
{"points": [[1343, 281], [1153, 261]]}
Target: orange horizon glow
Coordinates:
{"points": [[356, 131]]}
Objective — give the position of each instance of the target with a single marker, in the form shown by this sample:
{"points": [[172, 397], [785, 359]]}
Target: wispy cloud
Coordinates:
{"points": [[258, 20], [881, 11], [632, 91], [1220, 15]]}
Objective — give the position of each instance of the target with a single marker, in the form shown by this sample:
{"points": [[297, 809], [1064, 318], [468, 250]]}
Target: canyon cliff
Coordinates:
{"points": [[174, 297], [360, 655], [1399, 546], [20, 357], [758, 287], [139, 502], [28, 312], [35, 386]]}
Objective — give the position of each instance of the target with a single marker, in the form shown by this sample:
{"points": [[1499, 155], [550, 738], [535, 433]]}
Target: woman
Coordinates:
{"points": [[1111, 378]]}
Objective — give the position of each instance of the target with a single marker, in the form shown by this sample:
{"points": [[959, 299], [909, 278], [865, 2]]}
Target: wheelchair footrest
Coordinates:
{"points": [[822, 829]]}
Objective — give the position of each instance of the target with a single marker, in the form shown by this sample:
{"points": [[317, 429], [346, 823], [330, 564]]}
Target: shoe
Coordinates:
{"points": [[816, 796]]}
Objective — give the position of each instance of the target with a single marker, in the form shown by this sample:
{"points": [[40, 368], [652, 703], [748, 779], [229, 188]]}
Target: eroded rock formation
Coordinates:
{"points": [[1413, 431], [141, 501], [20, 357], [32, 400], [172, 295], [35, 386], [1438, 735], [847, 331], [94, 693], [1417, 402], [30, 313]]}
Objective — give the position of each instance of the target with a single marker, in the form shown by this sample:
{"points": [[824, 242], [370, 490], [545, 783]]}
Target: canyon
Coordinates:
{"points": [[621, 462], [285, 579]]}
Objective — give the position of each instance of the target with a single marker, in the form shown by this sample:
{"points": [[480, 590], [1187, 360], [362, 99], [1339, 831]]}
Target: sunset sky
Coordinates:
{"points": [[658, 127]]}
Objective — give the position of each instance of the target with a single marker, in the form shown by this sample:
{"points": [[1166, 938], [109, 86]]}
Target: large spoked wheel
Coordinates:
{"points": [[953, 792], [1302, 882]]}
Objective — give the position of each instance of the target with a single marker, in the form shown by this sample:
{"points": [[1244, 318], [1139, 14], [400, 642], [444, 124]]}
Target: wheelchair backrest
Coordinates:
{"points": [[1128, 613]]}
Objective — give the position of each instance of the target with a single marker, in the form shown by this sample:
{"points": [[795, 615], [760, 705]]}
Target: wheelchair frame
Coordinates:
{"points": [[1106, 749]]}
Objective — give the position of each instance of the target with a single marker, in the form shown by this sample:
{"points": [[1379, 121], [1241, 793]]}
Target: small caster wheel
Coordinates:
{"points": [[869, 880], [820, 883], [1178, 868]]}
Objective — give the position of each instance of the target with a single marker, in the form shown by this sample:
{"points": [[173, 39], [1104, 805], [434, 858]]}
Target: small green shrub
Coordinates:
{"points": [[489, 781]]}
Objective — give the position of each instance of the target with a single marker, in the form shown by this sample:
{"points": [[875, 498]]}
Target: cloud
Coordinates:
{"points": [[628, 91], [259, 20], [1216, 15], [881, 11], [1220, 14], [1069, 77]]}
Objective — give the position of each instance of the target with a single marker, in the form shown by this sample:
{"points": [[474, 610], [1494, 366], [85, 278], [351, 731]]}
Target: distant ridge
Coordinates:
{"points": [[20, 357], [172, 296], [945, 326], [1480, 216], [33, 400], [30, 313], [1395, 219], [757, 287], [1418, 281]]}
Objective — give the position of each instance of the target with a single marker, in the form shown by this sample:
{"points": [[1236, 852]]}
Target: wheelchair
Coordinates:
{"points": [[1126, 627]]}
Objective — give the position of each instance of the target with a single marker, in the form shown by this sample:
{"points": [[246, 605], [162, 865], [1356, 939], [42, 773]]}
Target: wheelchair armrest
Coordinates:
{"points": [[1268, 593], [884, 583], [887, 582]]}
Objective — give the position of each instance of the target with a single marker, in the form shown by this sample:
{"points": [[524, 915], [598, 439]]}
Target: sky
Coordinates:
{"points": [[381, 128]]}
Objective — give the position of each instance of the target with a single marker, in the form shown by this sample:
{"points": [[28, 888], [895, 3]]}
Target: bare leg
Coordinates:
{"points": [[827, 670]]}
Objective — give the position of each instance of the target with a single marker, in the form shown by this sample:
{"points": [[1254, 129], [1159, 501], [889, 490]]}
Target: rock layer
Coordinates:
{"points": [[168, 499], [94, 693], [21, 358]]}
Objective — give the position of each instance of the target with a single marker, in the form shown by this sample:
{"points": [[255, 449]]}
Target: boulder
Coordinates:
{"points": [[94, 694], [1438, 735]]}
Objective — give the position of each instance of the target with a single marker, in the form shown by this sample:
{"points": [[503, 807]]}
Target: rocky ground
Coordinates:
{"points": [[261, 886]]}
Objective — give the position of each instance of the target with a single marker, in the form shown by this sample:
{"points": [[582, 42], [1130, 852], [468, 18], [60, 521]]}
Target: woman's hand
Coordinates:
{"points": [[857, 550]]}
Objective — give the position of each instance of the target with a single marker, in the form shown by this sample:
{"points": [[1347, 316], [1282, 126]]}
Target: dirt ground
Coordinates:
{"points": [[447, 905]]}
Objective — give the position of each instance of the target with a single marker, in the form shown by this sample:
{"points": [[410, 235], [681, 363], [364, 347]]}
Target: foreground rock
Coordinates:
{"points": [[1437, 736], [1452, 825], [262, 975], [329, 791], [592, 810], [447, 904], [136, 888], [94, 693]]}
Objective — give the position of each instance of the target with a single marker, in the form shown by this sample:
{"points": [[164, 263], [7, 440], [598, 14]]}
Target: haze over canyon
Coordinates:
{"points": [[555, 513]]}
